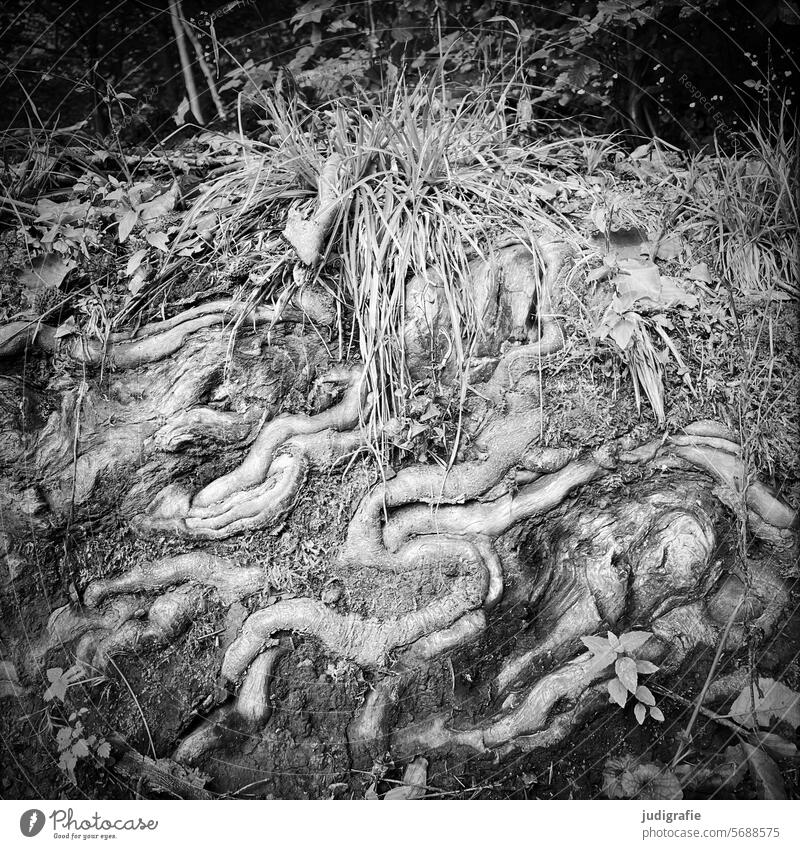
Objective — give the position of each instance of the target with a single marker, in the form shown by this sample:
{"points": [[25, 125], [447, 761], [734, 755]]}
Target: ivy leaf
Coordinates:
{"points": [[617, 692], [58, 684], [640, 712], [644, 695], [625, 667], [81, 749]]}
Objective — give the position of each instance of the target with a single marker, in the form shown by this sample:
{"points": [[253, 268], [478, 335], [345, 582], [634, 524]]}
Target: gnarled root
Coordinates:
{"points": [[248, 714], [231, 582], [264, 488], [149, 344], [368, 642], [369, 733]]}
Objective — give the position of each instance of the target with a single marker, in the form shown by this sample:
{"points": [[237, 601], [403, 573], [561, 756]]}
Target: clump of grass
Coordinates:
{"points": [[746, 203], [429, 186]]}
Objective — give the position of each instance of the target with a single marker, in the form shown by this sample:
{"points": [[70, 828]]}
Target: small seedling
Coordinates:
{"points": [[71, 739], [615, 650]]}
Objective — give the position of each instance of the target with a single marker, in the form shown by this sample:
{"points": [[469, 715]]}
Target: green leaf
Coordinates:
{"points": [[103, 750], [622, 332], [656, 714], [644, 695], [80, 749], [599, 663], [596, 645], [625, 667], [158, 240], [617, 692], [633, 640], [640, 712], [644, 667], [58, 685]]}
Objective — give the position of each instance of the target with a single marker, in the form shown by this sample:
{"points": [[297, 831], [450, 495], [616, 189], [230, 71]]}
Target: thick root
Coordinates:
{"points": [[232, 583], [148, 345], [368, 642], [249, 713], [265, 487]]}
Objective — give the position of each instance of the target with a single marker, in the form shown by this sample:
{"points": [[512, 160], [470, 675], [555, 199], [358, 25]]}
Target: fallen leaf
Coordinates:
{"points": [[700, 272], [127, 223], [770, 700], [46, 272], [764, 772], [414, 780], [669, 247], [158, 240]]}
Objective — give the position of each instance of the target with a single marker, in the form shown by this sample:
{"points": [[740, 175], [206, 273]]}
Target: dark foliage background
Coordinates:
{"points": [[675, 69]]}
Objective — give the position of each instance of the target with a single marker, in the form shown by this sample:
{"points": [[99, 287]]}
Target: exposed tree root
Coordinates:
{"points": [[149, 344], [231, 582], [265, 486], [368, 642], [645, 562], [249, 712], [307, 235]]}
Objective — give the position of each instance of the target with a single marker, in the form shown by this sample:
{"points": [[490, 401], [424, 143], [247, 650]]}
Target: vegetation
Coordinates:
{"points": [[380, 356]]}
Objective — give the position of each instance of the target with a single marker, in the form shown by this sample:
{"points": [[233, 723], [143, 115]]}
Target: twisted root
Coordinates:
{"points": [[247, 715], [265, 487], [149, 344]]}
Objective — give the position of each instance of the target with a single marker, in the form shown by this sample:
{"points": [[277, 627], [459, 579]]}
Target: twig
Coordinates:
{"points": [[709, 678]]}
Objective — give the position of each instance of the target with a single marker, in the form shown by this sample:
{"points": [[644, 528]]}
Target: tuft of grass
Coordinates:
{"points": [[430, 184], [746, 205]]}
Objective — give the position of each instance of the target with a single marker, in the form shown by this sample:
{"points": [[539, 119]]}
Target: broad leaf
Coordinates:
{"points": [[596, 645], [774, 701], [657, 714], [617, 692], [774, 744], [644, 667], [126, 224], [414, 780], [633, 640], [640, 712], [625, 667], [644, 695]]}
